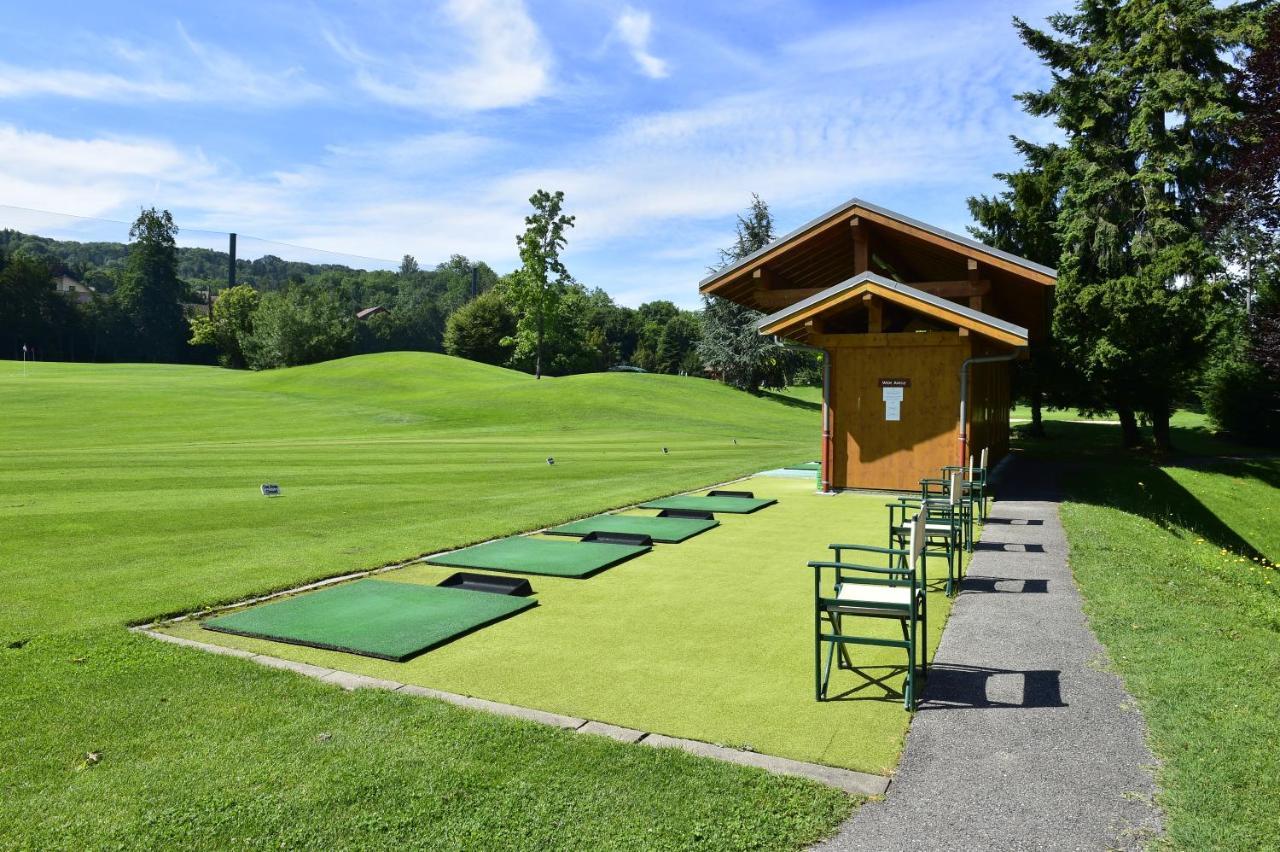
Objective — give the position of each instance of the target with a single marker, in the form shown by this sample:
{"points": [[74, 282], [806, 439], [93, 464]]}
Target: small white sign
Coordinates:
{"points": [[892, 394], [892, 409]]}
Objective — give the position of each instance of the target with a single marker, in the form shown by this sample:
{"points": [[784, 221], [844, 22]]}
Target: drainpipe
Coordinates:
{"points": [[964, 398], [826, 405]]}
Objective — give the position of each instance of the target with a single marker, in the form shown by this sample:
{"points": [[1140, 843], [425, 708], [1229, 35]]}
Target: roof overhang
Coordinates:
{"points": [[833, 298], [891, 220]]}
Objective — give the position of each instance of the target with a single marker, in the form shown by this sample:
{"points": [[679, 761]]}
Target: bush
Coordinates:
{"points": [[477, 330], [1243, 401]]}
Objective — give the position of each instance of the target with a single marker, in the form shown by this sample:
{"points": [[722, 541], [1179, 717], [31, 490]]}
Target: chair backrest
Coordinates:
{"points": [[954, 488], [983, 463], [970, 466], [916, 547]]}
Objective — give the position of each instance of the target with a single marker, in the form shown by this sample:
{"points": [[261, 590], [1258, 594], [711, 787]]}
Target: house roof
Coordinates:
{"points": [[368, 312], [855, 204], [893, 291]]}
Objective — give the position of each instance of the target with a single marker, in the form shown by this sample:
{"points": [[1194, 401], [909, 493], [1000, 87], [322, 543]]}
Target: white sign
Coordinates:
{"points": [[892, 403]]}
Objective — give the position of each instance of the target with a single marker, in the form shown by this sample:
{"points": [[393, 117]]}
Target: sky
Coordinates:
{"points": [[377, 128]]}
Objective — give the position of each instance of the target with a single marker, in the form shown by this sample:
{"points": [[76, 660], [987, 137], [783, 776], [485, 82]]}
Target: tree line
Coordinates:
{"points": [[154, 301]]}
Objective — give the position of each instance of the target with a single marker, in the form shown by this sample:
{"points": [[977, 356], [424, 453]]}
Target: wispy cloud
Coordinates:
{"points": [[200, 73], [504, 61], [634, 28]]}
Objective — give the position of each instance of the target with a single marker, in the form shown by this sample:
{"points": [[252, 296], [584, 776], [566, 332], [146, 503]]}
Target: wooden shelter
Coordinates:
{"points": [[918, 326]]}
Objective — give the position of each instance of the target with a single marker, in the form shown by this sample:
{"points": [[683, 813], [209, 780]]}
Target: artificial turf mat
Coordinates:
{"points": [[374, 618], [805, 466], [524, 555], [727, 505], [666, 530]]}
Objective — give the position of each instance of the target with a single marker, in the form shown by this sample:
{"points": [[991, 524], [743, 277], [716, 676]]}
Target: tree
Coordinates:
{"points": [[409, 265], [32, 313], [678, 345], [298, 326], [150, 293], [479, 328], [536, 292], [229, 325], [1022, 219], [1144, 95], [730, 346]]}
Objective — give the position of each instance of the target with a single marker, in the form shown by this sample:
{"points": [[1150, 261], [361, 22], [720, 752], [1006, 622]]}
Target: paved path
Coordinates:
{"points": [[1023, 740]]}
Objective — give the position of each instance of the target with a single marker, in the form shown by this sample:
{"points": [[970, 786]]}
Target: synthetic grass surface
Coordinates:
{"points": [[550, 557], [376, 618], [711, 639], [666, 530], [725, 505], [1176, 564], [131, 491]]}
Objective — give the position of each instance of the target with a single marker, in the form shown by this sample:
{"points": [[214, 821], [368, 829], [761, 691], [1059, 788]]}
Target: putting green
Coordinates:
{"points": [[524, 555], [374, 618], [666, 530], [805, 466], [728, 505]]}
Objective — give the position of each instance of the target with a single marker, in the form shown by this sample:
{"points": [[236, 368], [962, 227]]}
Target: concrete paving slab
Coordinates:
{"points": [[603, 729], [541, 716], [319, 672], [347, 680], [1024, 739]]}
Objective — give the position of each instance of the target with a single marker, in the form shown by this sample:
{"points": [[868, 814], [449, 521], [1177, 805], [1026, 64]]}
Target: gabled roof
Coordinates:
{"points": [[902, 294], [906, 222]]}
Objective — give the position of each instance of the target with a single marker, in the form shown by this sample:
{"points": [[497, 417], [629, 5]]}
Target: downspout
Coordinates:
{"points": [[826, 405], [964, 397]]}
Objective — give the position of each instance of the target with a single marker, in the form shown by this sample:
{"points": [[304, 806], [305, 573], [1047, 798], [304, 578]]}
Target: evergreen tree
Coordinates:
{"points": [[542, 278], [1143, 91], [150, 293], [730, 345]]}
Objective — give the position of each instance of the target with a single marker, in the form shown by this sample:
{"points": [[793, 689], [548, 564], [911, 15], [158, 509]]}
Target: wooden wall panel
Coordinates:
{"points": [[871, 452]]}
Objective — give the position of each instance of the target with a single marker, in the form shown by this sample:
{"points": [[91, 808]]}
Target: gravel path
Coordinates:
{"points": [[1023, 739]]}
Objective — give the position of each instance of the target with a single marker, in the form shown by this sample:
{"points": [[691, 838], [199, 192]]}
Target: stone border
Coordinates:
{"points": [[858, 783]]}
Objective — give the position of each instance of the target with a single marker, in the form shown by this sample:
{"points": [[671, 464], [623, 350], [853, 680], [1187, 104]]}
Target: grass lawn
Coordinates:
{"points": [[1175, 563], [710, 639], [130, 492]]}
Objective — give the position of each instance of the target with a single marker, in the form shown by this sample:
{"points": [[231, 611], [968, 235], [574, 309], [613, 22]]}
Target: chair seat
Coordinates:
{"points": [[905, 529], [863, 597]]}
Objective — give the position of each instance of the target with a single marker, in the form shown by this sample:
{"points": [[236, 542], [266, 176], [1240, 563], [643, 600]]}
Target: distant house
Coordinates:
{"points": [[73, 289], [365, 313]]}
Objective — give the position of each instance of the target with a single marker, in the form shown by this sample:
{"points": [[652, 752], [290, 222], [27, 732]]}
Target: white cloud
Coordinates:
{"points": [[504, 62], [201, 73], [634, 28]]}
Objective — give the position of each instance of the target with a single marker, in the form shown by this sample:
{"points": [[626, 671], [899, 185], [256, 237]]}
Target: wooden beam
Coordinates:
{"points": [[776, 300], [765, 278], [975, 299], [861, 254], [953, 289], [875, 314]]}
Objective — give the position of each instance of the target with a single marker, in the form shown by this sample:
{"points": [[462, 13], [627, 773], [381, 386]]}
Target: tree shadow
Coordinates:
{"points": [[789, 401]]}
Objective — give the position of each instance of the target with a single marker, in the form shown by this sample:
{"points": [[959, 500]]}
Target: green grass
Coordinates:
{"points": [[710, 639], [1175, 561], [130, 492]]}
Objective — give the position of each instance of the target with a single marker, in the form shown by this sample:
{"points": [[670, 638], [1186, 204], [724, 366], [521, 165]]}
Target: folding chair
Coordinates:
{"points": [[952, 490], [975, 482], [865, 591], [944, 531]]}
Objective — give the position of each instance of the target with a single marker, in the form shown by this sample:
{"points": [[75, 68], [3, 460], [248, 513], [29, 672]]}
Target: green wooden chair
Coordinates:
{"points": [[944, 530], [859, 591], [952, 490], [975, 482]]}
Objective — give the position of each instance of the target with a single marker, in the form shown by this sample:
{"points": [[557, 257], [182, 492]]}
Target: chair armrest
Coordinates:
{"points": [[850, 566], [870, 548]]}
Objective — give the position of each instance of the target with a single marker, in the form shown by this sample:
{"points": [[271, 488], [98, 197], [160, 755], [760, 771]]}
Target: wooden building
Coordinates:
{"points": [[910, 318]]}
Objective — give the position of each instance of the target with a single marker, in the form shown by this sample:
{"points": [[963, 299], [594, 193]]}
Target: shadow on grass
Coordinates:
{"points": [[1099, 472], [790, 401]]}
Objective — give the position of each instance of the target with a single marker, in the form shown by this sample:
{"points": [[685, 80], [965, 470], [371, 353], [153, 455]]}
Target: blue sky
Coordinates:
{"points": [[380, 128]]}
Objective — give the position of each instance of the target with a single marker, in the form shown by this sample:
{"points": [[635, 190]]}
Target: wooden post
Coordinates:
{"points": [[875, 314], [861, 252], [975, 277]]}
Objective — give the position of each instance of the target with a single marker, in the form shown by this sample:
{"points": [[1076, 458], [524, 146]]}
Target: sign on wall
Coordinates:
{"points": [[892, 391]]}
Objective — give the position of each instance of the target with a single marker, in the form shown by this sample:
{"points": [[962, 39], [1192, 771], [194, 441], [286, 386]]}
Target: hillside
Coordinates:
{"points": [[147, 475]]}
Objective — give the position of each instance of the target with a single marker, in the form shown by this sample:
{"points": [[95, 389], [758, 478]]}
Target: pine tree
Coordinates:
{"points": [[1144, 94], [730, 344]]}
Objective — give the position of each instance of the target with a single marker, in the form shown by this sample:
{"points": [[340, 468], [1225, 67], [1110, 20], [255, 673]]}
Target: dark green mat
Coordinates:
{"points": [[728, 505], [666, 530], [805, 466], [375, 618], [523, 555]]}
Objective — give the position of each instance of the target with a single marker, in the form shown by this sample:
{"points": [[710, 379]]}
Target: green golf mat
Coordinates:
{"points": [[805, 466], [728, 505], [375, 618], [523, 555], [666, 530]]}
